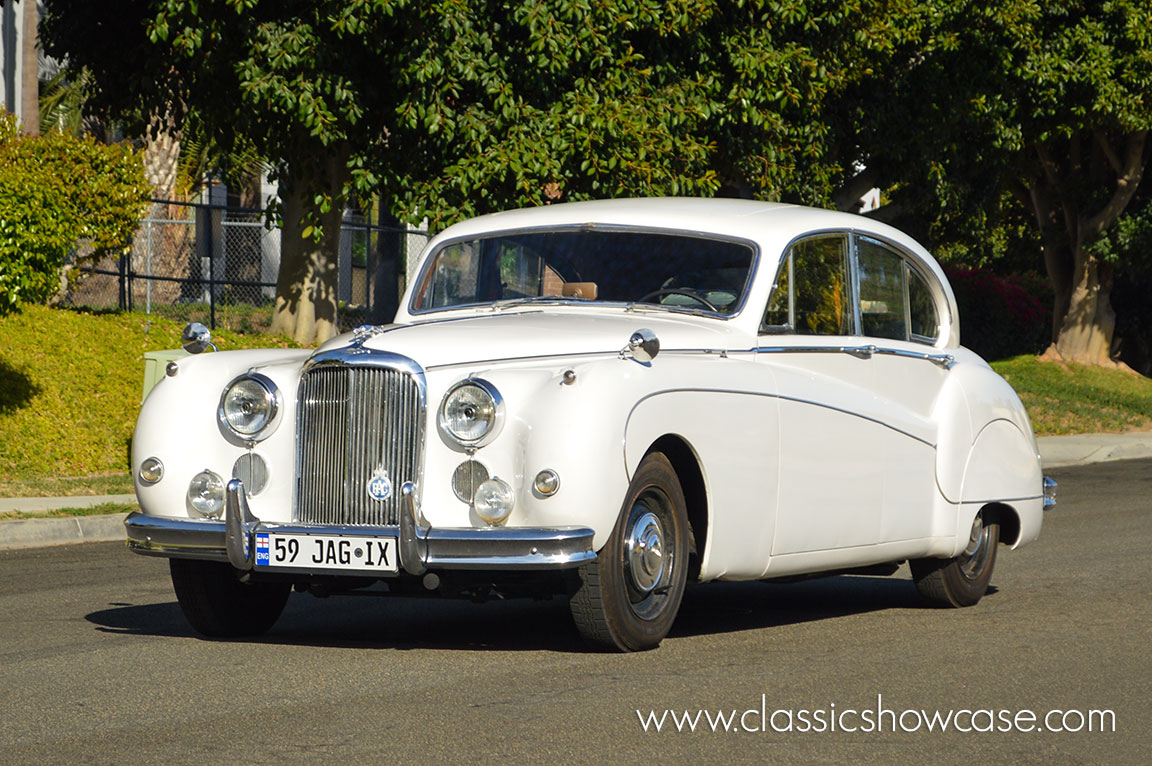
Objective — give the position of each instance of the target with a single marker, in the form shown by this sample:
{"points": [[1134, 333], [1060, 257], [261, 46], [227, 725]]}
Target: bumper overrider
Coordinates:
{"points": [[420, 547]]}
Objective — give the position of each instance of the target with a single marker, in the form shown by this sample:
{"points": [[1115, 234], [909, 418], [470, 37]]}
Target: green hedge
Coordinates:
{"points": [[61, 197]]}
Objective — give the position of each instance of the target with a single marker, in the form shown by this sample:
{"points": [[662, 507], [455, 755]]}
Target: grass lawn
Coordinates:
{"points": [[95, 510], [1073, 399], [70, 385]]}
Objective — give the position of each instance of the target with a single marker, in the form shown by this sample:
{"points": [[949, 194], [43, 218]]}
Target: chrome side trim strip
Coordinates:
{"points": [[945, 361]]}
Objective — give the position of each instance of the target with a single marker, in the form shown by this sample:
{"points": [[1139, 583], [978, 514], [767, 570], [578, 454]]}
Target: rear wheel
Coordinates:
{"points": [[963, 580], [217, 604], [628, 597]]}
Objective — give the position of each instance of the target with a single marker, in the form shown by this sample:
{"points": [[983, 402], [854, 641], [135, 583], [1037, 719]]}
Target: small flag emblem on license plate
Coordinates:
{"points": [[262, 549]]}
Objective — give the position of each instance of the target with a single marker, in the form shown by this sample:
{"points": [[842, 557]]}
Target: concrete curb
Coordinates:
{"points": [[37, 533], [1082, 449], [45, 504]]}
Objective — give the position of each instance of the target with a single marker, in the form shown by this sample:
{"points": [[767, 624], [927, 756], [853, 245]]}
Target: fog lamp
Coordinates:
{"points": [[494, 500], [206, 493]]}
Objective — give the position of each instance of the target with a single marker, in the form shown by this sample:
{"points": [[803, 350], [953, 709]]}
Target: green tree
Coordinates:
{"points": [[63, 201], [459, 107], [1044, 106]]}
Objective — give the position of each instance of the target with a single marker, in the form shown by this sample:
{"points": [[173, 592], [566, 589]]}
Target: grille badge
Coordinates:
{"points": [[380, 488]]}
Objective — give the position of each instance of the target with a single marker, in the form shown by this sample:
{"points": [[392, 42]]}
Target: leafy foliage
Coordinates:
{"points": [[459, 107], [999, 317], [61, 197], [1009, 111]]}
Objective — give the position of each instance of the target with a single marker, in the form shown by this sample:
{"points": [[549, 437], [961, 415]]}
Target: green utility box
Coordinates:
{"points": [[156, 365]]}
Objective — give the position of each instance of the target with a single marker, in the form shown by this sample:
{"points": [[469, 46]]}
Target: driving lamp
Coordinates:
{"points": [[206, 493], [494, 500]]}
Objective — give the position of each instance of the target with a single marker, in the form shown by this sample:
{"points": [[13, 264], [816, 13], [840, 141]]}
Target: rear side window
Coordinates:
{"points": [[925, 324], [828, 282]]}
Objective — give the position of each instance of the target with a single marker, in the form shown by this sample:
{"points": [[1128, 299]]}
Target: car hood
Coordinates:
{"points": [[517, 335]]}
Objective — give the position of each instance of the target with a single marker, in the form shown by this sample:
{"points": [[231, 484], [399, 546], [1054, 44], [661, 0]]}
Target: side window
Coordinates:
{"points": [[922, 310], [811, 293], [895, 300], [882, 281]]}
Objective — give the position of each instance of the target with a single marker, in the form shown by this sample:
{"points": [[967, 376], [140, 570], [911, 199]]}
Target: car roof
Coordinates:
{"points": [[765, 222]]}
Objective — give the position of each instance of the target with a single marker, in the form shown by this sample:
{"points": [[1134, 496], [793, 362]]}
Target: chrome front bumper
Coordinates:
{"points": [[421, 547]]}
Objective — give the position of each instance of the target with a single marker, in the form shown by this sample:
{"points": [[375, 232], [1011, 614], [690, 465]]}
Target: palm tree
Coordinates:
{"points": [[30, 65]]}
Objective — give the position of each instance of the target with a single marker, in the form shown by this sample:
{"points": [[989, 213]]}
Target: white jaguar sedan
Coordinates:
{"points": [[604, 401]]}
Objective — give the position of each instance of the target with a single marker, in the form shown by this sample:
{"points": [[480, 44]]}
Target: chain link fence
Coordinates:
{"points": [[218, 265]]}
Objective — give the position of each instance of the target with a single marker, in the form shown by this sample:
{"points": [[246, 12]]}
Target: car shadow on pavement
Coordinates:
{"points": [[526, 625], [730, 607]]}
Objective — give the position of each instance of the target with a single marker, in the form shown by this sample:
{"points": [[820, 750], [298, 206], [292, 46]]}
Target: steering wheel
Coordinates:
{"points": [[686, 293]]}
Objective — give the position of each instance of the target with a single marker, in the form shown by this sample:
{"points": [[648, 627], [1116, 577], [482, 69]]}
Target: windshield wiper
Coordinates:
{"points": [[530, 299]]}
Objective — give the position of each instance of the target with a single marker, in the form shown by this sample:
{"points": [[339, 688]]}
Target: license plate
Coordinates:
{"points": [[336, 552]]}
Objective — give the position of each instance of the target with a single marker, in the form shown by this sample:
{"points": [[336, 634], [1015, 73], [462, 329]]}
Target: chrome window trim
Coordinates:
{"points": [[911, 261], [426, 267]]}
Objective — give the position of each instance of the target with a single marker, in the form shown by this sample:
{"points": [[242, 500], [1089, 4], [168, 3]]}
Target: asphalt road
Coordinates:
{"points": [[98, 666]]}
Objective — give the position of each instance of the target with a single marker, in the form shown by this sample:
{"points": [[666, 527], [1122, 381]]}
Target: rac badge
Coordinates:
{"points": [[380, 488]]}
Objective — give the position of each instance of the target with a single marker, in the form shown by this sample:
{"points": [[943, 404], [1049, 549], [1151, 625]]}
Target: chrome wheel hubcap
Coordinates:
{"points": [[645, 552], [975, 555]]}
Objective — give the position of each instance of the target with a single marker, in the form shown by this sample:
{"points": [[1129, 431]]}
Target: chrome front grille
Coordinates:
{"points": [[354, 425]]}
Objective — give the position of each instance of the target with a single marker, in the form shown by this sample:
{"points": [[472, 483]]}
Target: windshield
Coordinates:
{"points": [[671, 270]]}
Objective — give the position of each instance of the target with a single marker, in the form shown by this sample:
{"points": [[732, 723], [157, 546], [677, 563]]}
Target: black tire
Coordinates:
{"points": [[218, 605], [963, 580], [628, 597]]}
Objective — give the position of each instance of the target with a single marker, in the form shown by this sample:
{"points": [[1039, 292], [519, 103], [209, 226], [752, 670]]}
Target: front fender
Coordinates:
{"points": [[178, 425]]}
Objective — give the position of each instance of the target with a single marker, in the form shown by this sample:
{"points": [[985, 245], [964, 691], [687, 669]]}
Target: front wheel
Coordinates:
{"points": [[218, 605], [963, 580], [628, 597]]}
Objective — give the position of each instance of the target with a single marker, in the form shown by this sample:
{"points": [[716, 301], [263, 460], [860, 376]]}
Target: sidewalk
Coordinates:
{"points": [[1056, 452]]}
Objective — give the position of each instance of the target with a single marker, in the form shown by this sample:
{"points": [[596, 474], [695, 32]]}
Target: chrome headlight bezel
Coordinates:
{"points": [[271, 400], [496, 423]]}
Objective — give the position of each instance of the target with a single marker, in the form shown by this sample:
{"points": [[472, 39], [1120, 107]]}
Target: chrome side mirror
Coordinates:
{"points": [[196, 338], [643, 346]]}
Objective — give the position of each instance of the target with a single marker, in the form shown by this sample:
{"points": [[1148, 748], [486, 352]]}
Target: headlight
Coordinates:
{"points": [[250, 407], [472, 413], [206, 493]]}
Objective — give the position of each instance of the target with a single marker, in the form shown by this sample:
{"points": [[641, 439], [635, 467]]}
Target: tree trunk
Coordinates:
{"points": [[162, 159], [306, 287], [30, 76], [1083, 319], [1085, 334]]}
